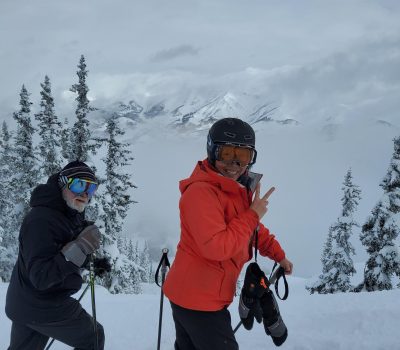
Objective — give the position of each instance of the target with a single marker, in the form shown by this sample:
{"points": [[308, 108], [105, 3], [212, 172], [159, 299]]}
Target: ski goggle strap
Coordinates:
{"points": [[79, 186], [229, 153]]}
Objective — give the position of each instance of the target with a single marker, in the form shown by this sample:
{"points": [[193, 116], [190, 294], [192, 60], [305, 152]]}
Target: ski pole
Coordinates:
{"points": [[91, 278], [164, 265], [79, 299], [238, 326]]}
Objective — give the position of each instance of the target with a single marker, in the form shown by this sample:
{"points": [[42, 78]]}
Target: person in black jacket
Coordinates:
{"points": [[54, 242]]}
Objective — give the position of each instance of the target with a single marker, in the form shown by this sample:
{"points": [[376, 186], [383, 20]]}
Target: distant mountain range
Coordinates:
{"points": [[195, 113]]}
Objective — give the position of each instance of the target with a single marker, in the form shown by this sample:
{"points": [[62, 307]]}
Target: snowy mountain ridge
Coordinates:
{"points": [[197, 113]]}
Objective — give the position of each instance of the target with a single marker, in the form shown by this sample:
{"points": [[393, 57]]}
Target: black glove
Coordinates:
{"points": [[254, 286], [101, 266], [272, 320]]}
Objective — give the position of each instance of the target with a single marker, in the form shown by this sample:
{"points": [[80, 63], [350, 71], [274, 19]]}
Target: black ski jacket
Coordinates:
{"points": [[42, 281]]}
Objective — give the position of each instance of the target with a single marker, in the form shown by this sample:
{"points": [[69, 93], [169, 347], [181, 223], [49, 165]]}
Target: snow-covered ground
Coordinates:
{"points": [[362, 321]]}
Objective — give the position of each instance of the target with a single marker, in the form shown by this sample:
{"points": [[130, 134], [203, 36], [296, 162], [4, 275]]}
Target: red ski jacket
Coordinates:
{"points": [[217, 228]]}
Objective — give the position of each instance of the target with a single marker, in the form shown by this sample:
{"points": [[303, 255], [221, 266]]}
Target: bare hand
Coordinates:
{"points": [[287, 265], [259, 205]]}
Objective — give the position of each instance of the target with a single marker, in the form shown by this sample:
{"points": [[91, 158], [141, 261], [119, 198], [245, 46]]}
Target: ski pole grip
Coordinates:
{"points": [[164, 263], [278, 274], [163, 266]]}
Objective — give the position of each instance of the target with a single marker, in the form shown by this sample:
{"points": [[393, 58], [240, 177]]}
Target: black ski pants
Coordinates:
{"points": [[203, 330], [76, 332]]}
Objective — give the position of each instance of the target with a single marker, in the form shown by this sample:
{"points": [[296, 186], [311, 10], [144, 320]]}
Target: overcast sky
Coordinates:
{"points": [[298, 52]]}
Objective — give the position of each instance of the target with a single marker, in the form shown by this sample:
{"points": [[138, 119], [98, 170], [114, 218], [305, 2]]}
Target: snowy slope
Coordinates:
{"points": [[364, 321]]}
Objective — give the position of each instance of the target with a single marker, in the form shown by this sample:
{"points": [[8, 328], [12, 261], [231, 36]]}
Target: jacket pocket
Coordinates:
{"points": [[206, 279], [231, 274]]}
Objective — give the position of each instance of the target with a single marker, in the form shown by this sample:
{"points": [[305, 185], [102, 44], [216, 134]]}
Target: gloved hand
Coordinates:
{"points": [[272, 320], [101, 266], [254, 286], [86, 243]]}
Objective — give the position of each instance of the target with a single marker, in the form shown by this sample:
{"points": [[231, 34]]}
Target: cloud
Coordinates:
{"points": [[174, 52]]}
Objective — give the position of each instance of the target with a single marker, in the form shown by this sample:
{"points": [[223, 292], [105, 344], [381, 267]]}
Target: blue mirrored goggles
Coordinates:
{"points": [[80, 186]]}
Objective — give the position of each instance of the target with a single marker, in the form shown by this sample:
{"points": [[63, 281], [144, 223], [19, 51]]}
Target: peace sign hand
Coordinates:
{"points": [[259, 205]]}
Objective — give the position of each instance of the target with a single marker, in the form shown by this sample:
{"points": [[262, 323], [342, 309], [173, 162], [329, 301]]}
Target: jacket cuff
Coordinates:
{"points": [[66, 267], [279, 256]]}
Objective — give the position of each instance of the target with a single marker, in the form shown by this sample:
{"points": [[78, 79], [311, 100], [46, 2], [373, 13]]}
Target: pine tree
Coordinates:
{"points": [[381, 230], [66, 141], [80, 141], [50, 132], [326, 258], [136, 257], [337, 263], [5, 173], [25, 175], [8, 247], [135, 285], [131, 251], [21, 178], [145, 263], [117, 181], [115, 203]]}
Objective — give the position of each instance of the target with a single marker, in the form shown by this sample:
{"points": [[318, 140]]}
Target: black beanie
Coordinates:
{"points": [[76, 169]]}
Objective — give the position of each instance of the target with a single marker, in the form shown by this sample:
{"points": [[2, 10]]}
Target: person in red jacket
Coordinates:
{"points": [[218, 219]]}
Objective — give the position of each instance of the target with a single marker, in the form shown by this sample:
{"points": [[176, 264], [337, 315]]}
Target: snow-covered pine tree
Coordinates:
{"points": [[50, 129], [25, 174], [326, 257], [121, 244], [23, 177], [136, 256], [65, 141], [8, 247], [80, 140], [145, 263], [115, 204], [131, 251], [380, 231], [5, 173], [337, 263], [132, 254]]}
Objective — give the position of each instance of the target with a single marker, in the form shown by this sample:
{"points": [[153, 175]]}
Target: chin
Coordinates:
{"points": [[230, 176], [81, 209], [78, 206]]}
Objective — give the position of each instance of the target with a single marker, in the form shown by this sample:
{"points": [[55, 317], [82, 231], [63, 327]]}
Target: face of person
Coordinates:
{"points": [[232, 169], [75, 201]]}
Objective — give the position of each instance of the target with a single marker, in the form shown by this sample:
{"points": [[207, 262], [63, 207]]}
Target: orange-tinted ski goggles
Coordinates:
{"points": [[230, 153]]}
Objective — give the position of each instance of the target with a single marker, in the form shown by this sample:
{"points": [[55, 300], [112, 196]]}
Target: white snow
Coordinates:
{"points": [[356, 321]]}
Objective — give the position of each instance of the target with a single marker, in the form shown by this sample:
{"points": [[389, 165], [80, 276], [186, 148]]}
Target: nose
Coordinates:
{"points": [[84, 195], [234, 163]]}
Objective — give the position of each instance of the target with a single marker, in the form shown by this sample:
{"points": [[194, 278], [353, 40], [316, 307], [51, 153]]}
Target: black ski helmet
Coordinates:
{"points": [[231, 131]]}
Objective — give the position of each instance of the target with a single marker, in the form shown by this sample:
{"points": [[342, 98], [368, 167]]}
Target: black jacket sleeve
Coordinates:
{"points": [[45, 265]]}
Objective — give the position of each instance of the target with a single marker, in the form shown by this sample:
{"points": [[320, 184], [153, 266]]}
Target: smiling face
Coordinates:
{"points": [[232, 169], [75, 201]]}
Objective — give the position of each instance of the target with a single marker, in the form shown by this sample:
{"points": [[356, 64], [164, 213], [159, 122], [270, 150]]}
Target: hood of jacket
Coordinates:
{"points": [[49, 195]]}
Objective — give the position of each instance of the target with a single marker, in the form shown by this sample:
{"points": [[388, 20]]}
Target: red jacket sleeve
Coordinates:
{"points": [[202, 215], [268, 245]]}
